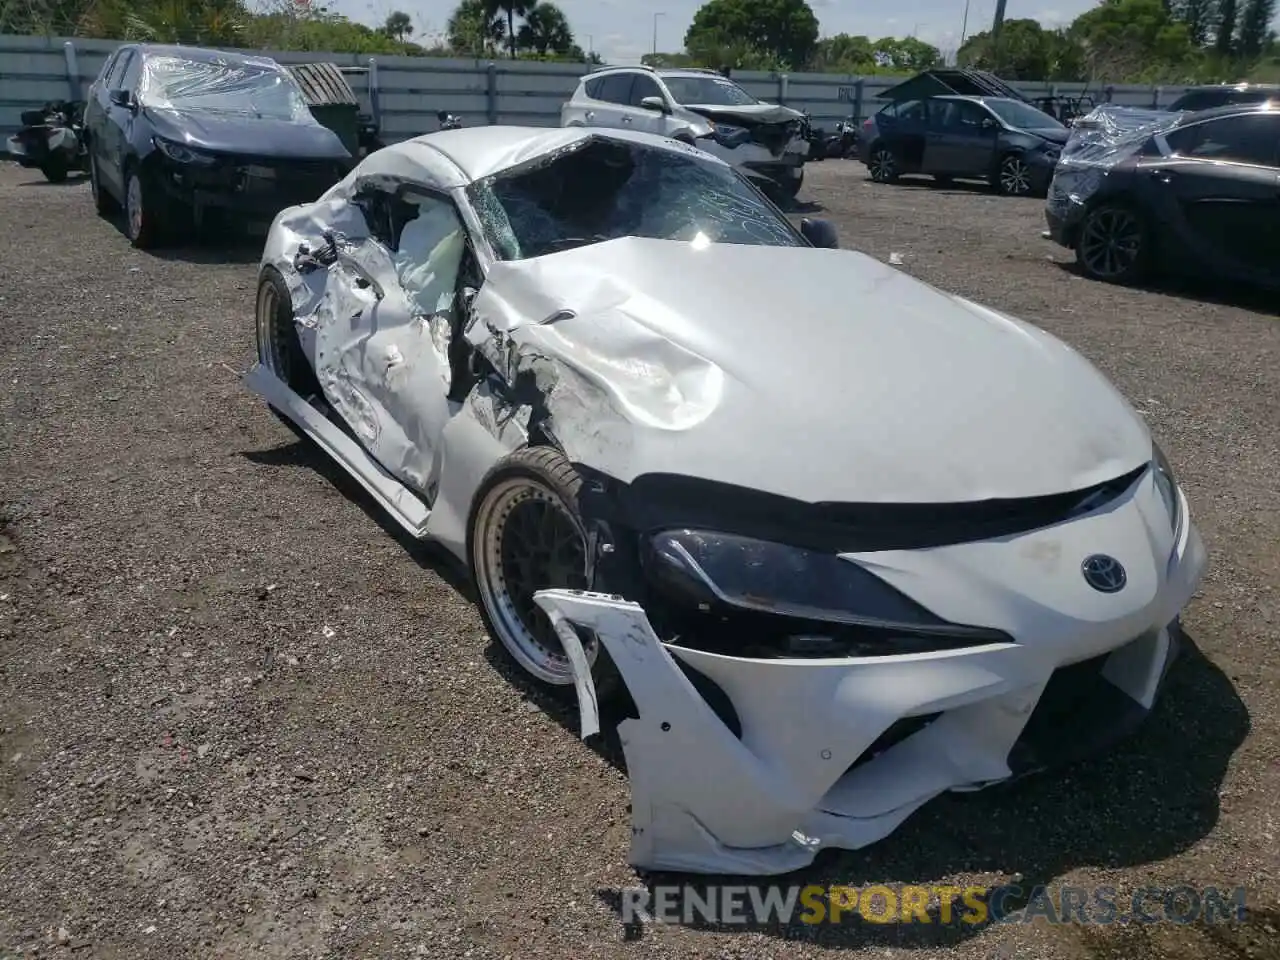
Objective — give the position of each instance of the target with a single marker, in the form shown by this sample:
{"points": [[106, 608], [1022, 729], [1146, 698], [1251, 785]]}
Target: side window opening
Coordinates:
{"points": [[1251, 138], [644, 87], [616, 88], [129, 79]]}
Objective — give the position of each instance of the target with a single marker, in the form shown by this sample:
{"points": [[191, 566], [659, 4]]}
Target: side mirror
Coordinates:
{"points": [[122, 98], [987, 124], [820, 233], [654, 103]]}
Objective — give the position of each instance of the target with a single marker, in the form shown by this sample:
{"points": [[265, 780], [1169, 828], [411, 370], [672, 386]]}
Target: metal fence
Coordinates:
{"points": [[405, 92]]}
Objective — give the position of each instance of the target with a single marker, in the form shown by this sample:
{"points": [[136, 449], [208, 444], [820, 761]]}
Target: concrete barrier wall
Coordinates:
{"points": [[408, 91]]}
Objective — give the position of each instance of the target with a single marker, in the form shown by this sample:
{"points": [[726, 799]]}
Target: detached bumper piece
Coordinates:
{"points": [[838, 752]]}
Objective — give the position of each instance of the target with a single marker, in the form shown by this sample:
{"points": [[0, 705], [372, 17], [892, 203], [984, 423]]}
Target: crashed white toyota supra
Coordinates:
{"points": [[844, 540]]}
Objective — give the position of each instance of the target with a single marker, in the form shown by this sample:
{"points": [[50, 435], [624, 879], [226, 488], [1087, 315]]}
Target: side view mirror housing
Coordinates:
{"points": [[122, 98], [988, 124], [654, 103], [820, 233]]}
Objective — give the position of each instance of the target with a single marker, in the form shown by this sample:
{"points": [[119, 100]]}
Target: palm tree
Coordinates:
{"points": [[398, 25], [511, 9], [473, 29], [546, 28]]}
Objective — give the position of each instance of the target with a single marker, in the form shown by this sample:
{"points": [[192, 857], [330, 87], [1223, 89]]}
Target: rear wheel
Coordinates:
{"points": [[1113, 244], [55, 168], [1013, 179], [526, 534], [103, 202], [882, 165], [279, 349]]}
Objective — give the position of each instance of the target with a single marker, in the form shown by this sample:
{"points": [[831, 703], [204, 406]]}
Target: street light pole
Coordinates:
{"points": [[655, 32]]}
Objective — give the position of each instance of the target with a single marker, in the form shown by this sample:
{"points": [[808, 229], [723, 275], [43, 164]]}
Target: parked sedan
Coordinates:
{"points": [[841, 565], [1008, 143], [176, 131], [1141, 190]]}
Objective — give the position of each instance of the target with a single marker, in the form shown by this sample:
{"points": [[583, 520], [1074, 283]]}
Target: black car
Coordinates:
{"points": [[1224, 95], [174, 132], [1009, 143], [1198, 194]]}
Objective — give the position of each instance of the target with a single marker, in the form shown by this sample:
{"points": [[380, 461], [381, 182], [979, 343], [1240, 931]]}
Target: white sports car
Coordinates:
{"points": [[840, 558]]}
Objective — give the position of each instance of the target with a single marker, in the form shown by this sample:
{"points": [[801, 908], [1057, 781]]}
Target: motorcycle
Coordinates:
{"points": [[448, 121], [823, 145], [52, 140]]}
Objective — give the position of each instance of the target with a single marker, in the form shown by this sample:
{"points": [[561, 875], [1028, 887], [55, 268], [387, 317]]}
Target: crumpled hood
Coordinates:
{"points": [[811, 373], [251, 136], [751, 112]]}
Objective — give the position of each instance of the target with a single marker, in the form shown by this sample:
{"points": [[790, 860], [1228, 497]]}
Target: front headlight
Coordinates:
{"points": [[183, 154], [774, 578], [1165, 482], [728, 134]]}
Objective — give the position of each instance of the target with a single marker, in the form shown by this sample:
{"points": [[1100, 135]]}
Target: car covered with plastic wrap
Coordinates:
{"points": [[176, 132], [830, 565], [1140, 191]]}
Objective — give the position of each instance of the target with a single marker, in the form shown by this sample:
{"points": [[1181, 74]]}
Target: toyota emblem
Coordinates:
{"points": [[1103, 573]]}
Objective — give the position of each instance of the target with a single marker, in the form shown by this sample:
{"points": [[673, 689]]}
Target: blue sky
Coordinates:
{"points": [[622, 30]]}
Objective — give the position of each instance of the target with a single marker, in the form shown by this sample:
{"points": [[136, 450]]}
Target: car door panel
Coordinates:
{"points": [[385, 326], [957, 144], [1223, 215], [615, 93], [905, 133], [120, 121], [643, 118]]}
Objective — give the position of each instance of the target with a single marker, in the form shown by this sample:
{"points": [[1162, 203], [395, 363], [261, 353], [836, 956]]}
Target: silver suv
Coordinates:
{"points": [[700, 107]]}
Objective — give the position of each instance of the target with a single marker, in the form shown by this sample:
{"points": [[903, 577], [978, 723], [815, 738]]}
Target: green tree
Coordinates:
{"points": [[1027, 51], [1200, 16], [398, 26], [1225, 40], [1255, 28], [1135, 40], [844, 53], [906, 54], [509, 9], [473, 30], [785, 31], [546, 30]]}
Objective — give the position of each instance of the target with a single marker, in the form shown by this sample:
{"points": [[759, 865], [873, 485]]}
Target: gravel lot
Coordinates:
{"points": [[239, 716]]}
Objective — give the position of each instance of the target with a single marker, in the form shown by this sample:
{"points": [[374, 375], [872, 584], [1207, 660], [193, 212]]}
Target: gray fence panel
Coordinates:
{"points": [[410, 90]]}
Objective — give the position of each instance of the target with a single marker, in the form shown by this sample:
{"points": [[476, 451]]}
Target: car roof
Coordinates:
{"points": [[1238, 87], [202, 55], [456, 158], [1229, 110]]}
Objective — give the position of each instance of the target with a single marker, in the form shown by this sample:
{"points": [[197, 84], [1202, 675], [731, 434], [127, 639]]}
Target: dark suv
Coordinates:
{"points": [[1009, 143], [174, 131]]}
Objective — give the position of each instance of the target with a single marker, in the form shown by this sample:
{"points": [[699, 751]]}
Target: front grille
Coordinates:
{"points": [[775, 136]]}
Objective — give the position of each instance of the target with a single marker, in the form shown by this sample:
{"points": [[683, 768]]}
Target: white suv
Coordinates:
{"points": [[701, 107]]}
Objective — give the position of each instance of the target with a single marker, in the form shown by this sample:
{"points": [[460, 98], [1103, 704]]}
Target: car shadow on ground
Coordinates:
{"points": [[208, 247], [1202, 290], [1148, 799], [304, 453]]}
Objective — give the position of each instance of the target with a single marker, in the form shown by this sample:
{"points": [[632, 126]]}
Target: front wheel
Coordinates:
{"points": [[147, 213], [1113, 245], [526, 534], [1013, 179]]}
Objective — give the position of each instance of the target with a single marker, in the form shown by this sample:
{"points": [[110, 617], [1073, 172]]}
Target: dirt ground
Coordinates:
{"points": [[240, 716]]}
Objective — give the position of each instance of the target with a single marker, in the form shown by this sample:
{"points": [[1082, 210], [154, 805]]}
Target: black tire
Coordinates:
{"points": [[789, 187], [103, 202], [279, 348], [148, 215], [55, 168], [943, 181], [1013, 177], [1114, 244], [882, 164], [524, 477]]}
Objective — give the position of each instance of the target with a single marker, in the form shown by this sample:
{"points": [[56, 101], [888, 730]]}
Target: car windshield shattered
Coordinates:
{"points": [[1023, 115], [708, 91], [601, 189], [240, 89]]}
